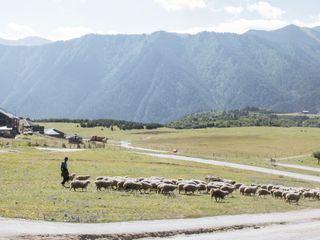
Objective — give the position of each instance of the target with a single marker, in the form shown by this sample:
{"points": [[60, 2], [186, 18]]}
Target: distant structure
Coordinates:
{"points": [[75, 139], [305, 112], [9, 124], [52, 132], [26, 126]]}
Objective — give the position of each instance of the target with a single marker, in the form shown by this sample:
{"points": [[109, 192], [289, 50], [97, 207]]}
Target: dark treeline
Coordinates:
{"points": [[108, 123], [244, 118]]}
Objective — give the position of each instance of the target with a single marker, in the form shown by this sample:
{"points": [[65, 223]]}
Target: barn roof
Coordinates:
{"points": [[28, 123], [9, 115], [53, 132]]}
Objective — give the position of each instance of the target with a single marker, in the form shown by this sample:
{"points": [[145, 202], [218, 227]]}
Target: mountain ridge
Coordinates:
{"points": [[162, 76]]}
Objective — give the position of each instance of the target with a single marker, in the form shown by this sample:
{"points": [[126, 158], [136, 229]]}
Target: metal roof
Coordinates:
{"points": [[10, 115]]}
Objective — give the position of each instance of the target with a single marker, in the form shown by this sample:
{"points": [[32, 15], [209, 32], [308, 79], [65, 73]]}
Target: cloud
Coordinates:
{"points": [[266, 10], [314, 21], [177, 5], [14, 31], [66, 33], [243, 25], [233, 10], [240, 26]]}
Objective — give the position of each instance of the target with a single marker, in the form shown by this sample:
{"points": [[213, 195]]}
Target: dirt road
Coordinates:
{"points": [[314, 169], [13, 228], [236, 165], [297, 231]]}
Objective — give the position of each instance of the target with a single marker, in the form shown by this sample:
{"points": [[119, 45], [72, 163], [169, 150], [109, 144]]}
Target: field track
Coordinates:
{"points": [[15, 228], [152, 153]]}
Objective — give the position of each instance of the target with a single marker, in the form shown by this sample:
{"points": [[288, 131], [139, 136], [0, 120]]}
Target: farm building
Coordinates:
{"points": [[9, 124], [52, 132], [26, 126], [75, 139]]}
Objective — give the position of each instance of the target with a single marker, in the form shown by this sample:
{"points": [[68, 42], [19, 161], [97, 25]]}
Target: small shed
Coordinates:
{"points": [[53, 132], [7, 132], [75, 139], [9, 124], [27, 125]]}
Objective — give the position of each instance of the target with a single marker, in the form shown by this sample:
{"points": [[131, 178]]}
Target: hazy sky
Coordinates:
{"points": [[65, 19]]}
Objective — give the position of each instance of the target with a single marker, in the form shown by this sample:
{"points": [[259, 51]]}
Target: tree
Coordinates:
{"points": [[317, 156]]}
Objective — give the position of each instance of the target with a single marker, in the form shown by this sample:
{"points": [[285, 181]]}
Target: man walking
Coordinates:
{"points": [[64, 171]]}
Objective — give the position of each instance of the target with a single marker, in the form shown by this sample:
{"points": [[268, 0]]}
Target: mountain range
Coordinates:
{"points": [[162, 76]]}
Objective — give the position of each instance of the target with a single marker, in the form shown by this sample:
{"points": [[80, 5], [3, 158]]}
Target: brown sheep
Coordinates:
{"points": [[202, 187], [227, 188], [292, 197], [263, 192], [120, 184], [277, 194], [190, 188], [133, 186], [180, 187], [242, 188], [218, 194], [310, 195], [237, 185], [71, 177], [145, 186], [82, 177]]}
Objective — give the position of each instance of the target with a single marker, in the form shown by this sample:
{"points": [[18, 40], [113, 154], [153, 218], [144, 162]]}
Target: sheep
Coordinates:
{"points": [[102, 184], [166, 188], [228, 181], [120, 184], [190, 188], [284, 193], [227, 188], [218, 194], [277, 194], [114, 183], [270, 187], [154, 185], [264, 186], [201, 187], [133, 186], [145, 186], [180, 187], [75, 184], [211, 178], [237, 185], [263, 192], [211, 186], [309, 195], [292, 197], [251, 191], [82, 177], [242, 188], [71, 177], [101, 178]]}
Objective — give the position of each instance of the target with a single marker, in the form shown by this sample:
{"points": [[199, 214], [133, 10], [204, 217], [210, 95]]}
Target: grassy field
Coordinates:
{"points": [[246, 141], [31, 178], [252, 145]]}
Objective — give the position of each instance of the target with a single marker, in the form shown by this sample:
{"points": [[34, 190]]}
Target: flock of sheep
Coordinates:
{"points": [[216, 188]]}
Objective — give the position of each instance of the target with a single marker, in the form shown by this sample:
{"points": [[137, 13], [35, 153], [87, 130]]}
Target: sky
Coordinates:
{"points": [[66, 19]]}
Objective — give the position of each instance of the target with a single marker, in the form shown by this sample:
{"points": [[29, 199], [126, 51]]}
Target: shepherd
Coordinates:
{"points": [[64, 171]]}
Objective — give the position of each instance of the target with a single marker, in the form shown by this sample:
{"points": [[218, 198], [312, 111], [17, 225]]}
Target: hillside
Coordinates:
{"points": [[247, 117], [162, 76]]}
